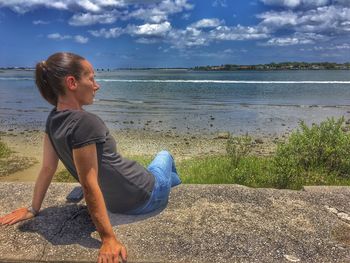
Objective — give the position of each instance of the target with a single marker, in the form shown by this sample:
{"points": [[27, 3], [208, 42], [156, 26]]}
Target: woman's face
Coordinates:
{"points": [[87, 85]]}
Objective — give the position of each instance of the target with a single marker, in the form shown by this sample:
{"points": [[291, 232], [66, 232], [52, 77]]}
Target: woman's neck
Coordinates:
{"points": [[67, 105]]}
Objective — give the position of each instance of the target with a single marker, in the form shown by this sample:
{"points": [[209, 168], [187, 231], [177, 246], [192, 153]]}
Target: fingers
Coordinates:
{"points": [[124, 254], [10, 221], [14, 217], [7, 219], [113, 257], [14, 221], [108, 258], [101, 259]]}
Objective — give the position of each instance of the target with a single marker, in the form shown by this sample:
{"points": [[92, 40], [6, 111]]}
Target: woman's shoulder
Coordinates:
{"points": [[87, 128], [75, 119], [84, 114], [87, 119]]}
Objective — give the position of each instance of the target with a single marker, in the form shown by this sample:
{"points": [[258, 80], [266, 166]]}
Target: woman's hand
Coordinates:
{"points": [[110, 251], [17, 215]]}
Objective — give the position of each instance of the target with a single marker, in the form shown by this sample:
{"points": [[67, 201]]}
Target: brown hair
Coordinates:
{"points": [[49, 74]]}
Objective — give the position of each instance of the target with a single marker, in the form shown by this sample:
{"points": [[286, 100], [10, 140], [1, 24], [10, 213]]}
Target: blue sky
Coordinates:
{"points": [[175, 33]]}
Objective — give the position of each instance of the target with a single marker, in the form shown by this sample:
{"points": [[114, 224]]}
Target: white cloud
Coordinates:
{"points": [[287, 41], [40, 22], [331, 19], [154, 11], [324, 22], [275, 19], [154, 15], [296, 39], [57, 36], [78, 38], [159, 12], [207, 23], [146, 40], [57, 4], [294, 22], [340, 47], [146, 33], [84, 19], [174, 6], [190, 37], [107, 33], [296, 3], [149, 29], [194, 37], [89, 5], [239, 33], [23, 6], [88, 12]]}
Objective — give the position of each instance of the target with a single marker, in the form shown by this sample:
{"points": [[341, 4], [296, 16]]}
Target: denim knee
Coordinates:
{"points": [[164, 152]]}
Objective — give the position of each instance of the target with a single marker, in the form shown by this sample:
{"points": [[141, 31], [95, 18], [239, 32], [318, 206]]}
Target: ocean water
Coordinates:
{"points": [[255, 102]]}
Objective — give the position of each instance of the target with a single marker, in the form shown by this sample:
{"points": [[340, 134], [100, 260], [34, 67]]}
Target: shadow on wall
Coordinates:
{"points": [[71, 224]]}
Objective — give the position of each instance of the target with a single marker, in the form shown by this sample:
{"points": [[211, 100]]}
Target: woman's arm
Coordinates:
{"points": [[48, 169], [85, 160]]}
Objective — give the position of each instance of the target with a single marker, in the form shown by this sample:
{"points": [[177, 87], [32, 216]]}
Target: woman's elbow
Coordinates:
{"points": [[49, 169]]}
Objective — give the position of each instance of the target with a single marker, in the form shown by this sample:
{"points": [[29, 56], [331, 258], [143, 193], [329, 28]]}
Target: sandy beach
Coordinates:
{"points": [[28, 144]]}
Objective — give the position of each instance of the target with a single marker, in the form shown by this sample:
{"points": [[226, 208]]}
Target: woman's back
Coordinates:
{"points": [[125, 184]]}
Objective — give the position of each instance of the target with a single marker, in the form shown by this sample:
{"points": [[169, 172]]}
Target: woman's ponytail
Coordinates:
{"points": [[42, 83]]}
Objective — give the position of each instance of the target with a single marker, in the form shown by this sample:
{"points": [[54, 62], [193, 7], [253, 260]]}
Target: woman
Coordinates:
{"points": [[83, 143]]}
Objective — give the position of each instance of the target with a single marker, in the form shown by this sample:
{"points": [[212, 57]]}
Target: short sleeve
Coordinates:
{"points": [[47, 126], [88, 129]]}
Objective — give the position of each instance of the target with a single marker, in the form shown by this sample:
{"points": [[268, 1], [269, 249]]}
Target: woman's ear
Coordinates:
{"points": [[71, 82]]}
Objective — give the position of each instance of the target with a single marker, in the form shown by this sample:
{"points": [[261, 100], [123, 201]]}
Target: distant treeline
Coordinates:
{"points": [[279, 66], [231, 67]]}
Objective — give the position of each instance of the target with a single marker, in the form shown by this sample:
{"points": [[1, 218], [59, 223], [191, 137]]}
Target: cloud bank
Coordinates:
{"points": [[288, 22]]}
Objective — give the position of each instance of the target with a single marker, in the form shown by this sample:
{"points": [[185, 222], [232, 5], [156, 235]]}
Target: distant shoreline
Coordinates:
{"points": [[229, 67]]}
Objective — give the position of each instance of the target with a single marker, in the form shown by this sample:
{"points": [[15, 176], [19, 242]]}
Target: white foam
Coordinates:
{"points": [[14, 78], [208, 81], [225, 81]]}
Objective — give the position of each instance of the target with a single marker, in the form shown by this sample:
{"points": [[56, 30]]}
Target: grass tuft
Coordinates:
{"points": [[5, 151]]}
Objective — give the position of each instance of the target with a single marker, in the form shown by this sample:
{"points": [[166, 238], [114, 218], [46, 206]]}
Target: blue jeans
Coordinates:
{"points": [[165, 175]]}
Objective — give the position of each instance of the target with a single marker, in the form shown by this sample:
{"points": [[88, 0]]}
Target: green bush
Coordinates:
{"points": [[4, 150], [238, 148], [317, 150]]}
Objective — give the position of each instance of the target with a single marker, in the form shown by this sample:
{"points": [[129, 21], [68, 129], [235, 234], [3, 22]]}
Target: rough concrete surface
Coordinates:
{"points": [[202, 223]]}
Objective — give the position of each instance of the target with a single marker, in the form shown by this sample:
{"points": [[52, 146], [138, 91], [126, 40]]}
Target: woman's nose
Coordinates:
{"points": [[97, 86]]}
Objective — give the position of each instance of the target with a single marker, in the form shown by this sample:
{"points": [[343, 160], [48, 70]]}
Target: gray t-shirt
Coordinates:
{"points": [[125, 184]]}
